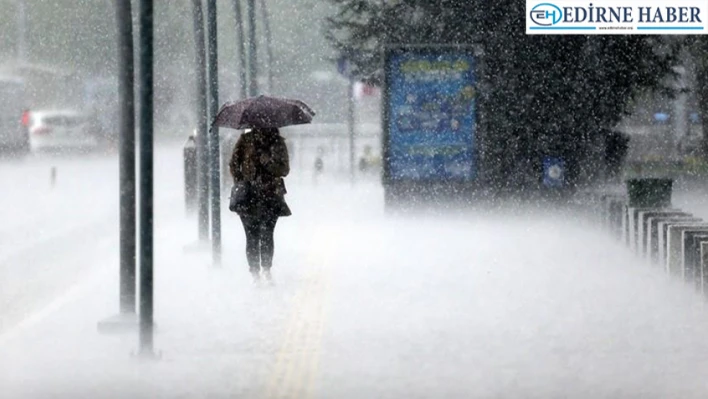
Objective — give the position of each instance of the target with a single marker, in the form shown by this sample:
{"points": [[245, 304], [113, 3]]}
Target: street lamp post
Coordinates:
{"points": [[202, 153], [146, 178], [127, 159], [214, 145], [127, 296], [351, 123]]}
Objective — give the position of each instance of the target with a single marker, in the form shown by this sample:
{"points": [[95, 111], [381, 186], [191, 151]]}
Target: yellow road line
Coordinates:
{"points": [[306, 342], [297, 364], [275, 377], [315, 358], [295, 349]]}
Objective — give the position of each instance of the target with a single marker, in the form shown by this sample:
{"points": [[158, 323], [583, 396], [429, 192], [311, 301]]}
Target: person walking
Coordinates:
{"points": [[260, 158]]}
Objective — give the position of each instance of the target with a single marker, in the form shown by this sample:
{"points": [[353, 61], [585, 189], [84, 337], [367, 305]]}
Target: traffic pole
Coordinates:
{"points": [[202, 147], [146, 179], [351, 120], [126, 319], [127, 158], [214, 145]]}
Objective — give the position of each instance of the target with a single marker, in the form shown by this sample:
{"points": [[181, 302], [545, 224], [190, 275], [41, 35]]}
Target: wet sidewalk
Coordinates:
{"points": [[469, 305]]}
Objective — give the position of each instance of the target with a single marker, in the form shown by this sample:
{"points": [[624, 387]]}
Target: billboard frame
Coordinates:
{"points": [[395, 188]]}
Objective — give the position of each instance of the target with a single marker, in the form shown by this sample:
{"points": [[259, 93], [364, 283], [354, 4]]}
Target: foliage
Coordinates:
{"points": [[543, 95]]}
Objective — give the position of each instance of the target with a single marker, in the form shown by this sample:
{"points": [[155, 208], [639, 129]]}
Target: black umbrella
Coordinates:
{"points": [[263, 111]]}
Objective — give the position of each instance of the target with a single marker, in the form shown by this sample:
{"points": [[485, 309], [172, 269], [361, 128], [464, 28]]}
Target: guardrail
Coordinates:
{"points": [[644, 220]]}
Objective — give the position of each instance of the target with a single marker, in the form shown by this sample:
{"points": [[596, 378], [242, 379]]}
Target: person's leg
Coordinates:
{"points": [[267, 227], [251, 227]]}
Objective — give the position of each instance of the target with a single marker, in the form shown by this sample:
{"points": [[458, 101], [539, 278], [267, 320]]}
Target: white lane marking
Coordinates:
{"points": [[74, 293]]}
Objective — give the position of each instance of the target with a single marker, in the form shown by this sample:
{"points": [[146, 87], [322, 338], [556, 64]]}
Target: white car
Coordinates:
{"points": [[60, 130]]}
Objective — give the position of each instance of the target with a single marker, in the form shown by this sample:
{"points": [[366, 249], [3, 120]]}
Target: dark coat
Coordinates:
{"points": [[262, 160]]}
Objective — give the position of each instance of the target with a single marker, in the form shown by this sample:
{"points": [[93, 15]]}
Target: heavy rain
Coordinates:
{"points": [[353, 199]]}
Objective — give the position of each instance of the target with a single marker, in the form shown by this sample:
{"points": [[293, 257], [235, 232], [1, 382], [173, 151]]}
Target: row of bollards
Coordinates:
{"points": [[645, 221]]}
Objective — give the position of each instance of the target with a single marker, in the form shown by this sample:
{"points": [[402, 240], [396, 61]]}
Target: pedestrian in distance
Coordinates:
{"points": [[260, 159], [319, 164]]}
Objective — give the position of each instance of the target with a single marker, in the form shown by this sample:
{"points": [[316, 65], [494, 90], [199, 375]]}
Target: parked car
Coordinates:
{"points": [[60, 130], [13, 133]]}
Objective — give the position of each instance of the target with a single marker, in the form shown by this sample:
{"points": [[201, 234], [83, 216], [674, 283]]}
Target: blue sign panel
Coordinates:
{"points": [[553, 172], [431, 116], [344, 67]]}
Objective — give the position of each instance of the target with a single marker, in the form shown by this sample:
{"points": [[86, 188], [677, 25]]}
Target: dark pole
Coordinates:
{"points": [[215, 163], [126, 97], [350, 123], [241, 49], [252, 50], [269, 44], [146, 177], [202, 158]]}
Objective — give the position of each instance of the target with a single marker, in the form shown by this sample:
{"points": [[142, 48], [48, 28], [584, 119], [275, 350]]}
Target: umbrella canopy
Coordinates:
{"points": [[263, 111]]}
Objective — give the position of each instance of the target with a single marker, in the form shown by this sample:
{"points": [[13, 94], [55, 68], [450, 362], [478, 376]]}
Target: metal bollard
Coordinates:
{"points": [[692, 256], [190, 174], [675, 246], [625, 224], [703, 283], [658, 239], [635, 228], [645, 220]]}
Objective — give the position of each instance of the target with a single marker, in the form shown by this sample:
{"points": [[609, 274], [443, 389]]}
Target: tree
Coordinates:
{"points": [[699, 45], [542, 95]]}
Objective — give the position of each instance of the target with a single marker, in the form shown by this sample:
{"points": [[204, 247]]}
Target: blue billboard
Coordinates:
{"points": [[430, 116]]}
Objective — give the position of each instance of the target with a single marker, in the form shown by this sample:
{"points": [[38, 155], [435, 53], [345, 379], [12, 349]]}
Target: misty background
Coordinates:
{"points": [[629, 84], [76, 40]]}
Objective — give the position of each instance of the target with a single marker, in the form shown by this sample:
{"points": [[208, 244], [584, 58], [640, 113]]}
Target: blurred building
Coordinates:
{"points": [[47, 86], [666, 127]]}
